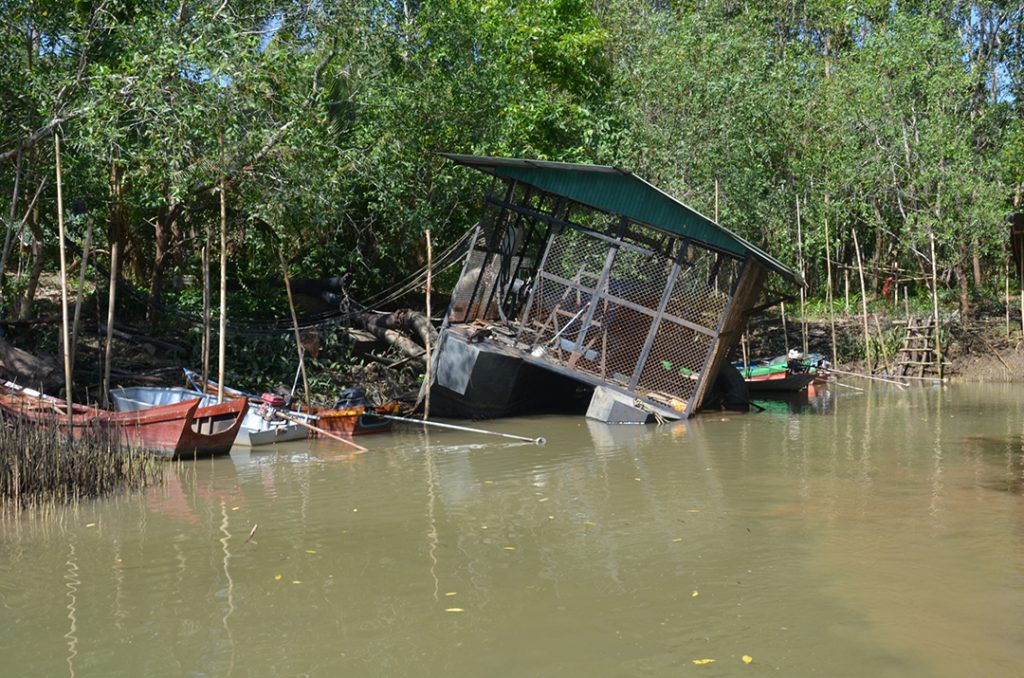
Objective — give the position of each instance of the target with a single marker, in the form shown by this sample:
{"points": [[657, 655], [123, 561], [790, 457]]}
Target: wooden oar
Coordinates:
{"points": [[467, 429], [319, 430]]}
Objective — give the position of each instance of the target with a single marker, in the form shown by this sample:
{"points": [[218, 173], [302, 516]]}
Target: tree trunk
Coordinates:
{"points": [[976, 261], [965, 298], [25, 306], [164, 226]]}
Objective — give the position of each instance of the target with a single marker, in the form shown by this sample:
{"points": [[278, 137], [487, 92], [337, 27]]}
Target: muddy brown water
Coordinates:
{"points": [[852, 534]]}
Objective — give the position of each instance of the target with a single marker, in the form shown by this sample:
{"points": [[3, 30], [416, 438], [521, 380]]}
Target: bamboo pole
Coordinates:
{"points": [[863, 299], [785, 331], [295, 327], [716, 200], [112, 296], [86, 247], [206, 307], [743, 347], [1006, 296], [323, 432], [803, 290], [831, 310], [63, 283], [222, 335], [846, 278], [871, 377], [935, 302], [429, 375]]}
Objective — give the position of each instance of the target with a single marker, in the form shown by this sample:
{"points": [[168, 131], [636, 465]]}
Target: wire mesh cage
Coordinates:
{"points": [[599, 295]]}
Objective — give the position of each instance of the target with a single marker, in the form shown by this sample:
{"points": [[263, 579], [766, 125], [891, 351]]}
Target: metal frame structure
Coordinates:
{"points": [[593, 293]]}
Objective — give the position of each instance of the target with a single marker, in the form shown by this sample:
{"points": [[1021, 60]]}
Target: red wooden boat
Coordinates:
{"points": [[181, 430]]}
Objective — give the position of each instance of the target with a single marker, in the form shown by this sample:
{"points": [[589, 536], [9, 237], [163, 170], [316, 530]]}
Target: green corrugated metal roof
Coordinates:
{"points": [[620, 192]]}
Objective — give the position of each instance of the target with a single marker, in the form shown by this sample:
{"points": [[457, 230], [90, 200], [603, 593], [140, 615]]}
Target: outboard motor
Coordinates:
{"points": [[353, 397]]}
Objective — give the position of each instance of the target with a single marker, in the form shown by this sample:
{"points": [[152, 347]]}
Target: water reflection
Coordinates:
{"points": [[858, 533]]}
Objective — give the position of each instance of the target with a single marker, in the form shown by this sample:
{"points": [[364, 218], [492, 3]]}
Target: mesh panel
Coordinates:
{"points": [[693, 298], [676, 359]]}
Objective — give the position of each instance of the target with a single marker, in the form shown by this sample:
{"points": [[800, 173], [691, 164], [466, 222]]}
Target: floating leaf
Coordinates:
{"points": [[451, 593], [677, 540], [587, 522], [747, 659], [454, 609], [311, 552], [277, 577], [702, 662], [695, 594], [510, 548]]}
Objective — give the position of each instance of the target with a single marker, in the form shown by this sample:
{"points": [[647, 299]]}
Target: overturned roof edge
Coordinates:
{"points": [[505, 167]]}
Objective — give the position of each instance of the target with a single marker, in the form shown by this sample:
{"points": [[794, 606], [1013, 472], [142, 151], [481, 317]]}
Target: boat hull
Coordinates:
{"points": [[256, 430], [780, 383], [355, 421], [183, 430]]}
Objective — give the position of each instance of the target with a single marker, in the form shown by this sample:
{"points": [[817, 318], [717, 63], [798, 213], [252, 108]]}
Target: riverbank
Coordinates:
{"points": [[979, 350]]}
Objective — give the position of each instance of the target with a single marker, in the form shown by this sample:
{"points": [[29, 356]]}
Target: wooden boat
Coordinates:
{"points": [[182, 430], [353, 415], [780, 382], [257, 428], [357, 420], [785, 373]]}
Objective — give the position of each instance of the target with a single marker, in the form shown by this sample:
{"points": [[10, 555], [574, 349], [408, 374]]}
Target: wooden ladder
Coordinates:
{"points": [[918, 352]]}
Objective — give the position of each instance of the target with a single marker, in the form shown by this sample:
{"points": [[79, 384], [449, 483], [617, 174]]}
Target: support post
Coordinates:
{"points": [[65, 338]]}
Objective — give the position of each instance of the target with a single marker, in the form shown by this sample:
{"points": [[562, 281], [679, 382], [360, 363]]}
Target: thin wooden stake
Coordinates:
{"points": [[222, 338], [846, 278], [111, 298], [831, 310], [295, 327], [63, 284], [206, 307], [716, 200], [863, 300], [429, 375], [1006, 296], [935, 302], [785, 331], [803, 291]]}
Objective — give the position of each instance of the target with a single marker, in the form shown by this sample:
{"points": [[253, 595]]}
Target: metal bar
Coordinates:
{"points": [[487, 258], [552, 234], [714, 343], [502, 254], [666, 296], [599, 289]]}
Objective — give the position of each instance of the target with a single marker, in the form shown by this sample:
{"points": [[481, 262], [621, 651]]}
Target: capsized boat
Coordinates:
{"points": [[181, 430], [259, 426]]}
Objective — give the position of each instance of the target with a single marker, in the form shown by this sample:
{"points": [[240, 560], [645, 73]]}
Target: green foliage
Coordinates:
{"points": [[894, 121]]}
